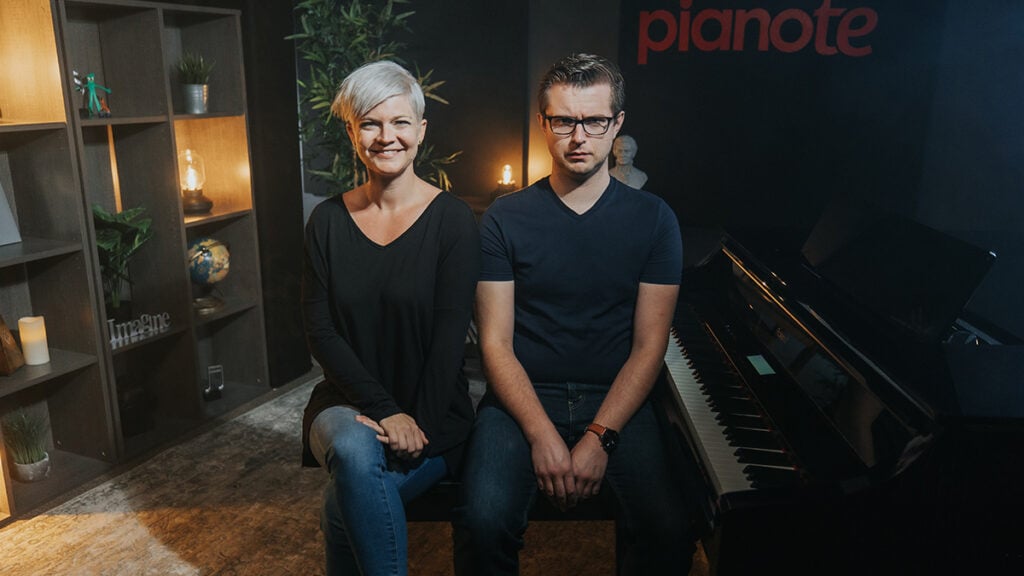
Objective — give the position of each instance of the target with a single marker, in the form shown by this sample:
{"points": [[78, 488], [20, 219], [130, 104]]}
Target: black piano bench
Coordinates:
{"points": [[437, 503]]}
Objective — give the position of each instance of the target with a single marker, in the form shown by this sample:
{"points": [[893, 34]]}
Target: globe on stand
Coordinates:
{"points": [[208, 262]]}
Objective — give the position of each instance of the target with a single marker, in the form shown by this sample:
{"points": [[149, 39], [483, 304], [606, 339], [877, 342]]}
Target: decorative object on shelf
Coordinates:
{"points": [[138, 329], [118, 237], [95, 106], [24, 433], [214, 382], [208, 263], [32, 332], [624, 149], [192, 176], [10, 355], [194, 75], [335, 38], [8, 227]]}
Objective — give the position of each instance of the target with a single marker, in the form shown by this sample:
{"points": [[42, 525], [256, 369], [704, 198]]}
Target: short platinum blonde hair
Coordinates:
{"points": [[373, 83]]}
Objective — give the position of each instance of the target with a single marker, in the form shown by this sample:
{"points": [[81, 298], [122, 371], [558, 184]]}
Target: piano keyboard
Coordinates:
{"points": [[736, 445]]}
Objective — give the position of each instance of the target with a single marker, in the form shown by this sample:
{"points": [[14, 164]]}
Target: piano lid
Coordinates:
{"points": [[915, 278]]}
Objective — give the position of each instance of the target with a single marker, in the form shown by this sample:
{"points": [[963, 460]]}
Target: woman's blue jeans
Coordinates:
{"points": [[363, 518], [499, 486]]}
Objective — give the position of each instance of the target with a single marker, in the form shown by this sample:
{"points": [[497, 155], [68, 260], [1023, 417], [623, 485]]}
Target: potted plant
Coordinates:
{"points": [[118, 237], [194, 75], [334, 38], [24, 433]]}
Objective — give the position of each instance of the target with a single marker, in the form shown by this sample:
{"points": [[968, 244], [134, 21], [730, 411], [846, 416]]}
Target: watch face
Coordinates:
{"points": [[609, 440]]}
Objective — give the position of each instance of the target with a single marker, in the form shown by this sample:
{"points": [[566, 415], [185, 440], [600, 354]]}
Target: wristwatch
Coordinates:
{"points": [[609, 438]]}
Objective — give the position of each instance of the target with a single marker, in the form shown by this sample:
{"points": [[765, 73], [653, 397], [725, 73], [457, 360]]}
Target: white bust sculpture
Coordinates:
{"points": [[624, 149]]}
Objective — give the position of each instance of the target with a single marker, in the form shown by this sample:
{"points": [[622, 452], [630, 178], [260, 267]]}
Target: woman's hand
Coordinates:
{"points": [[403, 436], [369, 423]]}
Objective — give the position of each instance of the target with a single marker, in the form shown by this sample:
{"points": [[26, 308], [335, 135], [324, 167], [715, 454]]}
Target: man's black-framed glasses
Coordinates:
{"points": [[592, 125]]}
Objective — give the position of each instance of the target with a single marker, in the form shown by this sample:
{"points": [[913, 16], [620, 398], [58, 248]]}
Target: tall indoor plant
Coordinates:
{"points": [[335, 37], [24, 433], [118, 237]]}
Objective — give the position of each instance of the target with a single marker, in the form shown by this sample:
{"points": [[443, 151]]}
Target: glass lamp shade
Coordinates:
{"points": [[192, 176], [191, 170]]}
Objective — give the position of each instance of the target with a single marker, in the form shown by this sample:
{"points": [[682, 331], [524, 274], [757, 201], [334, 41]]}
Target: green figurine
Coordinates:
{"points": [[97, 107]]}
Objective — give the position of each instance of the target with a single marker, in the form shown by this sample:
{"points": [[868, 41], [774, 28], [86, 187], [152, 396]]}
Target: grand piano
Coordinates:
{"points": [[845, 413]]}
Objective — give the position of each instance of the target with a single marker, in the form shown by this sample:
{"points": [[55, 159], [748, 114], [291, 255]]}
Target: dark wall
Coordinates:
{"points": [[921, 117], [479, 49], [974, 150], [752, 138], [277, 180]]}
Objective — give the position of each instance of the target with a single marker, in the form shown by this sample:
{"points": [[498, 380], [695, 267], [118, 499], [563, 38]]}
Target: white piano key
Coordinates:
{"points": [[716, 453]]}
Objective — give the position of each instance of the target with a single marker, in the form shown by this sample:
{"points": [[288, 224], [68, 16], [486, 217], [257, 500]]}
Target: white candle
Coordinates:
{"points": [[33, 340]]}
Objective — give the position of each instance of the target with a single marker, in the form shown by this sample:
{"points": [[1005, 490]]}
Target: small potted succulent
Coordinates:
{"points": [[24, 433], [194, 75]]}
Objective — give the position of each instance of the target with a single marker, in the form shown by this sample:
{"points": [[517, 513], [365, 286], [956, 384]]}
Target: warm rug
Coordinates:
{"points": [[234, 500]]}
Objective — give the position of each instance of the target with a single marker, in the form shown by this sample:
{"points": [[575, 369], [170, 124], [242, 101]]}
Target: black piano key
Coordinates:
{"points": [[742, 421], [763, 457], [741, 437], [719, 380], [723, 388], [767, 477], [734, 405]]}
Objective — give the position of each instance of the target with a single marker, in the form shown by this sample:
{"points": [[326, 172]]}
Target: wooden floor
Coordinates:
{"points": [[552, 549], [234, 500]]}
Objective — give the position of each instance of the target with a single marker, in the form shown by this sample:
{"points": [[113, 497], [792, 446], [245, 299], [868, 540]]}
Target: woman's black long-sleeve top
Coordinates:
{"points": [[388, 323]]}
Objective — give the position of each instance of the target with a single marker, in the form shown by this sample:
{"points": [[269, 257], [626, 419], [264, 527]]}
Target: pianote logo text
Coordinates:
{"points": [[829, 29]]}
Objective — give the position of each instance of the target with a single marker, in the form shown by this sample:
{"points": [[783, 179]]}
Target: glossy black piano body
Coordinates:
{"points": [[838, 438]]}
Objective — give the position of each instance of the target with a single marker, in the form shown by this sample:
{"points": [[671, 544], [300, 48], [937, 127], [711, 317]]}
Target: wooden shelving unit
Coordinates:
{"points": [[108, 404], [50, 272]]}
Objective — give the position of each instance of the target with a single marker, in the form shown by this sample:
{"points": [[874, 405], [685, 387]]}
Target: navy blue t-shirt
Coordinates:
{"points": [[577, 275]]}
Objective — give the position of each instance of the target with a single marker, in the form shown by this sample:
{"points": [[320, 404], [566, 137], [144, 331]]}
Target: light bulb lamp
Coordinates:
{"points": [[192, 176]]}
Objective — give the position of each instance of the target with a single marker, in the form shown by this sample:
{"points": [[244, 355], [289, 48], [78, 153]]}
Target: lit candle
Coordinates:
{"points": [[506, 175], [33, 340]]}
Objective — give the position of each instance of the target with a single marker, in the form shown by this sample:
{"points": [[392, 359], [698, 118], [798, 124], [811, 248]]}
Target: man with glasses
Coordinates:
{"points": [[578, 287]]}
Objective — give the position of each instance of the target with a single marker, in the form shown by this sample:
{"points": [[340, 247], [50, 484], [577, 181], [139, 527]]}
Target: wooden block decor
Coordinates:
{"points": [[10, 355]]}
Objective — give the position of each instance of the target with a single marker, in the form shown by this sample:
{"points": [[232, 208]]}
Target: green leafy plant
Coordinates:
{"points": [[194, 68], [24, 435], [118, 237], [335, 37]]}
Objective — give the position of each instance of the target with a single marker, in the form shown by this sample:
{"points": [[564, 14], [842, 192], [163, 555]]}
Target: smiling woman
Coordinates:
{"points": [[388, 136], [391, 266]]}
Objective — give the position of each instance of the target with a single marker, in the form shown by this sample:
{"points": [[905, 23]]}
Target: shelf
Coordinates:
{"points": [[30, 81], [216, 215], [233, 395], [231, 307], [67, 471], [122, 121], [228, 114], [33, 249], [222, 142], [8, 126], [160, 433], [107, 405], [147, 340], [120, 44], [61, 362]]}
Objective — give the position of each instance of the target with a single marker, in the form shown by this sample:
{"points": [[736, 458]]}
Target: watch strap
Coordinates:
{"points": [[597, 429]]}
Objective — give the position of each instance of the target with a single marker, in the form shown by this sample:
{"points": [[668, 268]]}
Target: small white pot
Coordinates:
{"points": [[32, 472]]}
